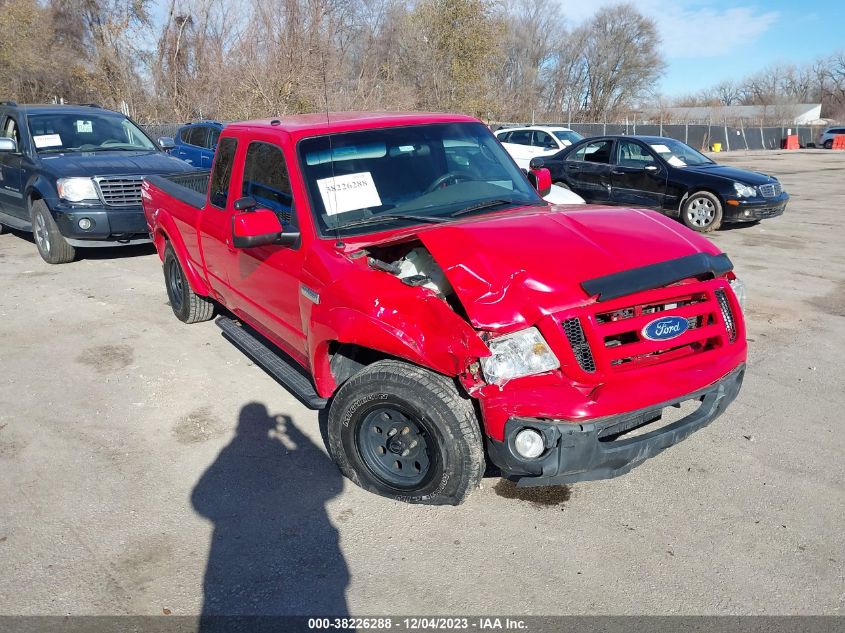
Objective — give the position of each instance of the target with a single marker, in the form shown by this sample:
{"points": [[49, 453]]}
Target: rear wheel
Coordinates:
{"points": [[188, 306], [3, 229], [702, 212], [828, 144], [404, 432], [51, 244]]}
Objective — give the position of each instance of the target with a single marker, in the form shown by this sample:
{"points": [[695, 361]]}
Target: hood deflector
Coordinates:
{"points": [[657, 275]]}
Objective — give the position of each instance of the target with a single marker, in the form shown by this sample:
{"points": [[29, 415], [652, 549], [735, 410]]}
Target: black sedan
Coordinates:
{"points": [[666, 175]]}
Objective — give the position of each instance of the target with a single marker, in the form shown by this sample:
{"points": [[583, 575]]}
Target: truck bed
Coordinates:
{"points": [[190, 188]]}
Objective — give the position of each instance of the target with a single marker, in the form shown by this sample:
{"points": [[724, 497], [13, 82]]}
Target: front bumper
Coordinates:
{"points": [[587, 451], [755, 210], [109, 226]]}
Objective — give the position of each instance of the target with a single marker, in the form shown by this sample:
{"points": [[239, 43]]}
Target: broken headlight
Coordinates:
{"points": [[522, 353]]}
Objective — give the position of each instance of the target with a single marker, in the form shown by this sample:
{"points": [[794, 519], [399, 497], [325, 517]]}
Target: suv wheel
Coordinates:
{"points": [[187, 305], [51, 244], [702, 212], [828, 144], [406, 433]]}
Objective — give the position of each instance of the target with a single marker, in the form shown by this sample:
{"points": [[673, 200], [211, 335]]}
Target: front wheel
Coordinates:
{"points": [[50, 243], [702, 212], [828, 144], [406, 433]]}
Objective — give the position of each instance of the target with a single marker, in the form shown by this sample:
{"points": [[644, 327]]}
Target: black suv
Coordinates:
{"points": [[72, 175]]}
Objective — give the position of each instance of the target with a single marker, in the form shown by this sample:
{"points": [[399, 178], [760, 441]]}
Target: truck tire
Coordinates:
{"points": [[187, 305], [3, 229], [406, 433], [50, 242], [702, 212]]}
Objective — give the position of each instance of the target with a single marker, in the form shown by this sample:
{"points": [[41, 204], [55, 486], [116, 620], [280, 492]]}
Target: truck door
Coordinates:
{"points": [[266, 279], [11, 169]]}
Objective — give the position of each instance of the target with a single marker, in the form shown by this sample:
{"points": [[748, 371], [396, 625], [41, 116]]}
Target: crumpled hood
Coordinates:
{"points": [[510, 270]]}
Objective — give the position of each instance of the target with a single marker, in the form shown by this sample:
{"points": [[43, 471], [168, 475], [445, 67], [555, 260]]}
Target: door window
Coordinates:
{"points": [[221, 175], [503, 137], [520, 137], [595, 152], [10, 130], [634, 155], [544, 140], [266, 179], [198, 136]]}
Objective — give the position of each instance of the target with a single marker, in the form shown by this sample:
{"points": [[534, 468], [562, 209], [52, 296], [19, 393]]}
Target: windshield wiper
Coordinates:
{"points": [[486, 204], [375, 219]]}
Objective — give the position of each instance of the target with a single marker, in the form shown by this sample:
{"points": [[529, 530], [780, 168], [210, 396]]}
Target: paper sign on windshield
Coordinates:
{"points": [[676, 162], [47, 140], [348, 193], [84, 127], [661, 149]]}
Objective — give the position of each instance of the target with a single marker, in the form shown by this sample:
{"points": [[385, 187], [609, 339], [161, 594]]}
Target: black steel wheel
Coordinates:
{"points": [[407, 433], [187, 305]]}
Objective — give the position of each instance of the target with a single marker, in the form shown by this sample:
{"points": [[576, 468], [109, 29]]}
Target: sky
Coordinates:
{"points": [[708, 41]]}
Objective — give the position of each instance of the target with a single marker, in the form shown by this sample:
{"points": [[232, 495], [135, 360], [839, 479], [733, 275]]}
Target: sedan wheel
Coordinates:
{"points": [[702, 212]]}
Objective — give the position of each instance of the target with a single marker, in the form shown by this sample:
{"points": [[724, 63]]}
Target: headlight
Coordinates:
{"points": [[76, 189], [744, 191], [522, 353], [739, 290]]}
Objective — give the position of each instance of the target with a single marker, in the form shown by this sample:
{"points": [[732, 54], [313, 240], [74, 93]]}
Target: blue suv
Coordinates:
{"points": [[195, 143], [72, 175]]}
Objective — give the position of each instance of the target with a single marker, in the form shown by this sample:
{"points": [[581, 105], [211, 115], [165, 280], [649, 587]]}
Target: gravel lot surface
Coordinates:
{"points": [[149, 467]]}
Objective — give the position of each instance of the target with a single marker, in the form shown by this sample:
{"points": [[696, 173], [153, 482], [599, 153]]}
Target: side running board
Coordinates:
{"points": [[275, 362]]}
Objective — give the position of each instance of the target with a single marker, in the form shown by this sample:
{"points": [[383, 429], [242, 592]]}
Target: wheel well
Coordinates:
{"points": [[347, 359]]}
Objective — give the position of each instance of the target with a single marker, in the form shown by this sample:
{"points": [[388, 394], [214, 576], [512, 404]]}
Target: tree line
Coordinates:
{"points": [[500, 60]]}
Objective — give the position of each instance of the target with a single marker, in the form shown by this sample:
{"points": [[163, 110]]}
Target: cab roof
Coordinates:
{"points": [[302, 125]]}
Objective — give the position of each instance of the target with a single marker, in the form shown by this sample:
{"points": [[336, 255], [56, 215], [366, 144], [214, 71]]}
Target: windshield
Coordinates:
{"points": [[360, 182], [568, 137], [89, 132], [678, 154]]}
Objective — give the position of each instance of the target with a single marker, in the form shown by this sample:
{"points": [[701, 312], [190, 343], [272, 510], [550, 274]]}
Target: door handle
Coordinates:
{"points": [[617, 172]]}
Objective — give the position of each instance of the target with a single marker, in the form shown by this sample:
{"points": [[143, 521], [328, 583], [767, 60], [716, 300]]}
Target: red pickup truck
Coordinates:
{"points": [[402, 271]]}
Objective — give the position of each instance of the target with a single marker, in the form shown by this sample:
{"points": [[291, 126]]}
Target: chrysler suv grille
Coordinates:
{"points": [[120, 191]]}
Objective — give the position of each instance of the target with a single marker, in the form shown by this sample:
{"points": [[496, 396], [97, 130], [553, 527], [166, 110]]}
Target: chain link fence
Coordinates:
{"points": [[699, 136]]}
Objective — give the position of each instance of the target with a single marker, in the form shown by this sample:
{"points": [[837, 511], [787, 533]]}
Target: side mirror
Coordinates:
{"points": [[8, 145], [247, 203], [541, 180], [537, 163], [260, 228], [166, 143]]}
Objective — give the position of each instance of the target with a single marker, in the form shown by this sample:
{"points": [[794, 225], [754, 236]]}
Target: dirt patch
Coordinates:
{"points": [[539, 497], [833, 302], [199, 425], [107, 358], [784, 242]]}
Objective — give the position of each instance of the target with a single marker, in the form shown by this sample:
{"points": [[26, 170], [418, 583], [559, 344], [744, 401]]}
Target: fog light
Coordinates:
{"points": [[85, 224], [529, 443], [748, 213]]}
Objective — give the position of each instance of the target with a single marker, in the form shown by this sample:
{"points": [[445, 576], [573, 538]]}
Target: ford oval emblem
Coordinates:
{"points": [[665, 328]]}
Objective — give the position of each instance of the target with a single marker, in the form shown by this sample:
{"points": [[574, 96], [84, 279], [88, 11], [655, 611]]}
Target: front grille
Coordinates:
{"points": [[120, 191], [768, 213], [580, 347], [727, 314], [609, 337], [770, 190]]}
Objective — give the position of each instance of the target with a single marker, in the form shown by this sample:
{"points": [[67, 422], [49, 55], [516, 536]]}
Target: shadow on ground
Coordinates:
{"points": [[273, 550], [102, 252]]}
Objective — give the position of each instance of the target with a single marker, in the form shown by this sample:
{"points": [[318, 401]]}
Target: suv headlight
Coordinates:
{"points": [[739, 290], [744, 191], [76, 189], [522, 353]]}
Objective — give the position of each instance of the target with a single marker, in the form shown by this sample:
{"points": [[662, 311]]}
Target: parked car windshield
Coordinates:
{"points": [[360, 182], [568, 137], [678, 154], [88, 132]]}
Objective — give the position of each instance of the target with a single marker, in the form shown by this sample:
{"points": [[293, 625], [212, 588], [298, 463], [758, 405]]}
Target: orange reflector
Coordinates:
{"points": [[733, 203]]}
